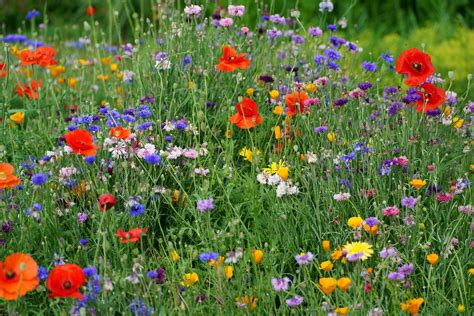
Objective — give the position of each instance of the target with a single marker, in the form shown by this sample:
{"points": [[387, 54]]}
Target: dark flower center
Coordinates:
{"points": [[67, 285], [231, 58], [10, 275], [417, 66]]}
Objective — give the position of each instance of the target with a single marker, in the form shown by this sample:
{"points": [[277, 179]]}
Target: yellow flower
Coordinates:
{"points": [[326, 266], [341, 311], [471, 167], [358, 250], [228, 134], [331, 137], [432, 258], [83, 62], [113, 67], [274, 94], [17, 117], [191, 85], [344, 283], [326, 245], [278, 110], [471, 271], [413, 305], [105, 60], [311, 87], [174, 256], [102, 77], [418, 183], [229, 272], [248, 154], [250, 92], [327, 285], [247, 301], [447, 111], [56, 70], [257, 256], [277, 132], [280, 169], [355, 221], [461, 308], [217, 262], [336, 254], [190, 279], [61, 80], [457, 122]]}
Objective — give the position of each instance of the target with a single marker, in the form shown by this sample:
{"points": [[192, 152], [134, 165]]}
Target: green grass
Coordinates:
{"points": [[247, 214]]}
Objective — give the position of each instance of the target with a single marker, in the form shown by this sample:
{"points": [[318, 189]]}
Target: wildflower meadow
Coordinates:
{"points": [[199, 164]]}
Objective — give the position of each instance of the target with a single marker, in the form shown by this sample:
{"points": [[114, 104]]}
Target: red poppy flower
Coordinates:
{"points": [[295, 98], [45, 56], [133, 235], [247, 115], [80, 142], [416, 64], [65, 281], [18, 276], [230, 61], [106, 201], [3, 71], [431, 97], [90, 11], [120, 132], [30, 91]]}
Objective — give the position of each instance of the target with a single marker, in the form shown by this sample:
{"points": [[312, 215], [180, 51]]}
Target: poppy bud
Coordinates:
{"points": [[90, 11], [106, 201]]}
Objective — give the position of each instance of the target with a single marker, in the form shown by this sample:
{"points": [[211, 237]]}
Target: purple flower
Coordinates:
{"points": [[304, 258], [372, 221], [331, 27], [280, 284], [332, 54], [153, 159], [391, 211], [406, 269], [388, 252], [297, 39], [340, 102], [82, 217], [294, 301], [409, 202], [370, 67], [205, 205], [208, 256], [274, 33], [396, 276], [158, 275], [39, 178], [89, 271], [321, 129], [315, 31], [355, 256], [365, 85]]}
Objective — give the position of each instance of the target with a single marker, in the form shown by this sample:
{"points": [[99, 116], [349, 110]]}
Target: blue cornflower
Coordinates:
{"points": [[332, 54], [333, 65], [144, 126], [332, 27], [337, 41], [153, 159], [138, 308], [90, 159], [187, 60], [320, 59], [42, 273], [208, 256], [144, 111], [89, 271], [83, 242], [39, 178], [137, 209], [32, 14]]}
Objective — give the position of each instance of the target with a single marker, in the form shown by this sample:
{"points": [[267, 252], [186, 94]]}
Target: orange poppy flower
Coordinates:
{"points": [[27, 57], [133, 235], [247, 115], [431, 97], [65, 281], [18, 276], [7, 179], [80, 142], [45, 56], [120, 132], [295, 98], [230, 61], [90, 11], [3, 72], [30, 91]]}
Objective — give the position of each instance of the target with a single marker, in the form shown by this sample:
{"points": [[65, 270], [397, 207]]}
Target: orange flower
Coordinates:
{"points": [[65, 281], [18, 276], [120, 132], [80, 142], [27, 57], [413, 305], [327, 285], [133, 235], [7, 179], [295, 98], [230, 61], [247, 115], [45, 56], [31, 91], [3, 72]]}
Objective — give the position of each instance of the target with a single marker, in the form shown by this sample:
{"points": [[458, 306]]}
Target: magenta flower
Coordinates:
{"points": [[294, 301], [280, 284], [444, 197], [391, 211]]}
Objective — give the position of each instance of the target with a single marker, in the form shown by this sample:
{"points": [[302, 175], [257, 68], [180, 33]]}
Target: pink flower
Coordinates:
{"points": [[225, 22], [444, 197], [236, 10], [430, 167], [401, 161], [391, 211], [244, 29]]}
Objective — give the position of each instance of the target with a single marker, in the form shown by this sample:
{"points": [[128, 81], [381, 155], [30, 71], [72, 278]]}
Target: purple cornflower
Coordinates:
{"points": [[297, 39], [370, 67], [137, 209], [294, 301], [304, 258], [355, 256], [332, 27], [340, 102], [82, 217], [138, 308], [158, 275], [396, 276], [388, 252], [409, 202], [274, 33], [208, 256], [332, 54], [365, 85], [89, 271], [406, 269], [32, 14], [372, 221], [205, 205], [321, 129], [280, 284], [315, 31], [153, 159], [320, 59], [42, 273]]}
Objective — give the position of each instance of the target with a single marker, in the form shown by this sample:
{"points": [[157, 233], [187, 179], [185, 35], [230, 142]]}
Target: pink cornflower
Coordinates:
{"points": [[391, 211]]}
